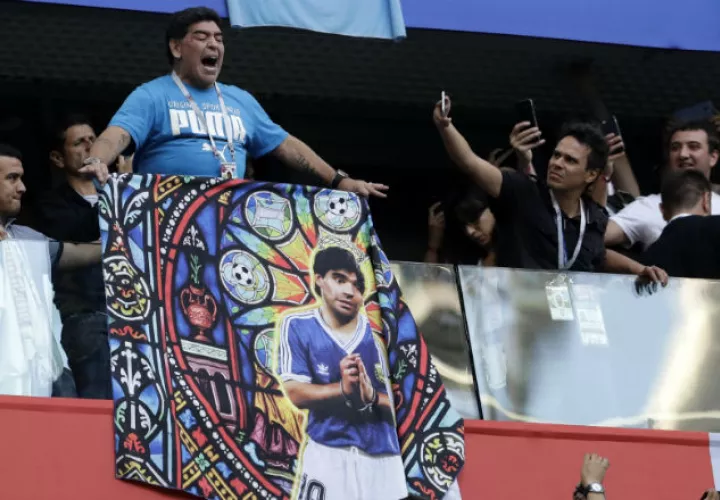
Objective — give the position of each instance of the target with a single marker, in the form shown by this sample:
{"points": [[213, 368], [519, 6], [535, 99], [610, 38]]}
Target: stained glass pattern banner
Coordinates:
{"points": [[253, 325]]}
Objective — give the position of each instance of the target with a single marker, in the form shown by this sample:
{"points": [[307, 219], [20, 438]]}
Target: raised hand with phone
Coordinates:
{"points": [[524, 138], [441, 114], [436, 232], [483, 173]]}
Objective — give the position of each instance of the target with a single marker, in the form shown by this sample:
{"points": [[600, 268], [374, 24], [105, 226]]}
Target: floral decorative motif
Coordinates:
{"points": [[128, 331]]}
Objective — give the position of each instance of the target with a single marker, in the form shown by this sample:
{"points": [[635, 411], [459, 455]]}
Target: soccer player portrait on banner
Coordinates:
{"points": [[332, 365]]}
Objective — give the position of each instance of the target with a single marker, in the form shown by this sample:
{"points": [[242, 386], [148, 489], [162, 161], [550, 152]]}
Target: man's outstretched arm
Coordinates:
{"points": [[618, 263], [486, 175], [296, 154]]}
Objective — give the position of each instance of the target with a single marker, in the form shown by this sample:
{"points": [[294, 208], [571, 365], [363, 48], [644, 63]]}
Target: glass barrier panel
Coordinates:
{"points": [[592, 349], [431, 292]]}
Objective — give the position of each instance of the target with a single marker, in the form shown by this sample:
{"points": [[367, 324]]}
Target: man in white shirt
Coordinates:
{"points": [[691, 145], [31, 358]]}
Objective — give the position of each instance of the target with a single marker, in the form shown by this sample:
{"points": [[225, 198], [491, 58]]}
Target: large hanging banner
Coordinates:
{"points": [[261, 347]]}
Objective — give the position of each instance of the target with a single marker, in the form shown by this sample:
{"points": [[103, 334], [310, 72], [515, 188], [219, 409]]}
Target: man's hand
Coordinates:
{"points": [[616, 145], [711, 494], [436, 227], [524, 138], [363, 188], [350, 375], [442, 120], [97, 170], [367, 391], [593, 469], [617, 151], [653, 274]]}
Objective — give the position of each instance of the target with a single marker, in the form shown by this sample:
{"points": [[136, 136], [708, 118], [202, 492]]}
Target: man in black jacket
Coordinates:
{"points": [[689, 245], [69, 213]]}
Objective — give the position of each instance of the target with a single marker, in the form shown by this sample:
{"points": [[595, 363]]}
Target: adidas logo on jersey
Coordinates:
{"points": [[323, 369]]}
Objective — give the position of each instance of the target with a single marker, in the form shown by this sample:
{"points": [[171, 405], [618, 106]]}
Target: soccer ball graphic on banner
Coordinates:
{"points": [[338, 210], [244, 277]]}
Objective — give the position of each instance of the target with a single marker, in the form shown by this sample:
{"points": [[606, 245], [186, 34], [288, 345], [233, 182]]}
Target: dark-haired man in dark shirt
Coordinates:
{"points": [[689, 245], [69, 213], [552, 224]]}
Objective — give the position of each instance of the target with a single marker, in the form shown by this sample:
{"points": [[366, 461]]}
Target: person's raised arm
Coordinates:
{"points": [[486, 175], [76, 255], [296, 154], [592, 476], [523, 139], [436, 233], [623, 177], [599, 189]]}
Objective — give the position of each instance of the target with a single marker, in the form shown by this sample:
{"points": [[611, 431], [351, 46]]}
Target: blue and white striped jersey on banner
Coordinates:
{"points": [[366, 18]]}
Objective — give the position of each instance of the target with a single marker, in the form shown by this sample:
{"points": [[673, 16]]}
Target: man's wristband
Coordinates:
{"points": [[339, 177], [584, 491]]}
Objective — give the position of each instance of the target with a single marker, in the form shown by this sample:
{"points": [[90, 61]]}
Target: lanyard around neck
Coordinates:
{"points": [[227, 122], [563, 262]]}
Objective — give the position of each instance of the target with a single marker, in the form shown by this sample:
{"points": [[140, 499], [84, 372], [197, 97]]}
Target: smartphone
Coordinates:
{"points": [[442, 103], [526, 112], [697, 112], [611, 126]]}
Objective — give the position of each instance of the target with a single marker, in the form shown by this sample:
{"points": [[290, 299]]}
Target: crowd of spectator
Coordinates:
{"points": [[584, 214], [567, 220]]}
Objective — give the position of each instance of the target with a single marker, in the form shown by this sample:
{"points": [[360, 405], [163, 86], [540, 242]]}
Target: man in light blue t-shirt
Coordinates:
{"points": [[186, 123]]}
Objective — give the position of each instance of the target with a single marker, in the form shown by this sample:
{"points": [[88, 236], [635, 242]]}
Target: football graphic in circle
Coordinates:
{"points": [[338, 210], [242, 274], [338, 205], [244, 277]]}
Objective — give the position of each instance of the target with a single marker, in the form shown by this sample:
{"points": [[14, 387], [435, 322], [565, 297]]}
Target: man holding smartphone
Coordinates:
{"points": [[552, 224]]}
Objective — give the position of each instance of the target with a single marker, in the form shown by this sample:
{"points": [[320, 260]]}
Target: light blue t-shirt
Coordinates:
{"points": [[169, 139]]}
